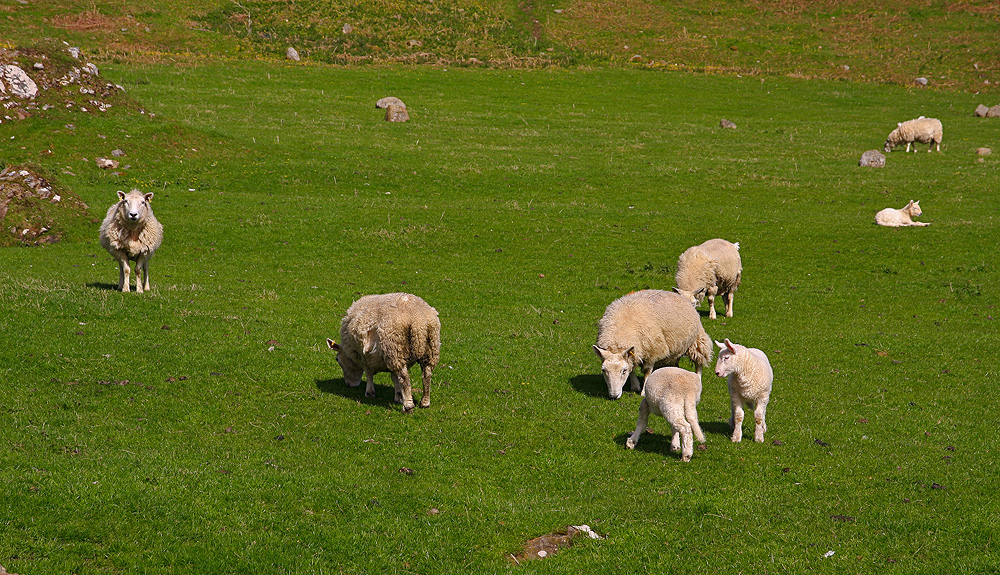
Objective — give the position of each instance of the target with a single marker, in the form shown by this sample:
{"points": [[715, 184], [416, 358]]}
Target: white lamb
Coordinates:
{"points": [[389, 332], [893, 218], [648, 329], [130, 232], [749, 377], [709, 269], [672, 393], [923, 130]]}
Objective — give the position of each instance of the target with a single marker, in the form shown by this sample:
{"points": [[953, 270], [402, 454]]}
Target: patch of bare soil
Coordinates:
{"points": [[546, 545], [33, 211]]}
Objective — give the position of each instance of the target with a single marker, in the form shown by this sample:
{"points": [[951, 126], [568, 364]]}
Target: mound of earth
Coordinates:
{"points": [[33, 211]]}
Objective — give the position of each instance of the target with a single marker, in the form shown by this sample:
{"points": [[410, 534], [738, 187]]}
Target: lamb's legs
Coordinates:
{"points": [[425, 401], [640, 425], [760, 428], [123, 275], [736, 419]]}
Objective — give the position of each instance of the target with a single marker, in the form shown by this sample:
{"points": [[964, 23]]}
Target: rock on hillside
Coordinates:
{"points": [[33, 211]]}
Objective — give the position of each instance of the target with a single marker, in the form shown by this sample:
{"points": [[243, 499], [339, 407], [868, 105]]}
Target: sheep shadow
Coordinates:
{"points": [[590, 384], [337, 386], [657, 443], [103, 286]]}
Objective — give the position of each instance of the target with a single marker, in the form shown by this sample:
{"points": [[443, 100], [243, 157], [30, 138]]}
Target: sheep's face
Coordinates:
{"points": [[726, 362], [352, 371], [133, 205], [616, 368], [695, 297]]}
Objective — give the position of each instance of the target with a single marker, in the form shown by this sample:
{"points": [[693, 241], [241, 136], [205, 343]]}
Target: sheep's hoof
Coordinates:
{"points": [[408, 409], [425, 403], [686, 459], [629, 443], [368, 394], [737, 439]]}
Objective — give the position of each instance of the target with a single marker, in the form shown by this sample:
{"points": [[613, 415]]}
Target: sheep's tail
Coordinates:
{"points": [[737, 244], [700, 351]]}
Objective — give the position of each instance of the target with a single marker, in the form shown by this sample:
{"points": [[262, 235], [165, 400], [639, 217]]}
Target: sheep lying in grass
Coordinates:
{"points": [[648, 328], [749, 378], [902, 217], [923, 130], [708, 269], [672, 393], [389, 332], [130, 232]]}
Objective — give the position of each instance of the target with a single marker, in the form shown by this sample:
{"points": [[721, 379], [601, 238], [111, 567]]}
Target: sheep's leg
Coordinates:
{"points": [[635, 380], [712, 292], [691, 415], [640, 425], [758, 416], [425, 401], [729, 303], [401, 379], [370, 387], [123, 275], [141, 274], [682, 440], [736, 419]]}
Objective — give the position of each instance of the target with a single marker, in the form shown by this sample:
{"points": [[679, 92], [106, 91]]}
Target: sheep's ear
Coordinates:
{"points": [[700, 291], [371, 341], [676, 290], [721, 345], [121, 195], [730, 345], [630, 354], [600, 352], [149, 197], [332, 344]]}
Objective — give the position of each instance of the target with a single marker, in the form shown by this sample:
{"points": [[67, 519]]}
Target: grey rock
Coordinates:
{"points": [[91, 69], [18, 82], [724, 123], [347, 28], [292, 54], [983, 151], [38, 66], [118, 153], [994, 112], [921, 81], [389, 101], [396, 113], [107, 163], [981, 111], [872, 159], [74, 52]]}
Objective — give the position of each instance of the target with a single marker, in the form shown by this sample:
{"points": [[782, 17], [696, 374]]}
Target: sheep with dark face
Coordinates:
{"points": [[389, 332], [130, 232]]}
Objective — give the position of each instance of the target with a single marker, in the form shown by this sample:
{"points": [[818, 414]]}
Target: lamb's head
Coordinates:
{"points": [[727, 361], [616, 368], [352, 371], [914, 208], [134, 205], [695, 297]]}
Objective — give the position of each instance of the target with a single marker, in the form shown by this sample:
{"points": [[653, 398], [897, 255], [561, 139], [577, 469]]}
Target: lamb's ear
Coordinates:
{"points": [[332, 344], [149, 197], [371, 341], [121, 195], [730, 345], [600, 352], [721, 345]]}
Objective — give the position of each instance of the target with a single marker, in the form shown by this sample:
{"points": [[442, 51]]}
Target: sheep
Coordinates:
{"points": [[648, 329], [749, 378], [894, 218], [130, 231], [672, 393], [707, 269], [389, 332], [923, 130]]}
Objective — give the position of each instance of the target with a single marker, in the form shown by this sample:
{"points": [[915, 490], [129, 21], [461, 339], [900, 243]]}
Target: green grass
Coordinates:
{"points": [[161, 433]]}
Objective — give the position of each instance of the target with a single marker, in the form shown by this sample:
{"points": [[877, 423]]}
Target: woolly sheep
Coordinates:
{"points": [[894, 218], [648, 328], [672, 393], [708, 269], [749, 378], [130, 232], [389, 332], [923, 130]]}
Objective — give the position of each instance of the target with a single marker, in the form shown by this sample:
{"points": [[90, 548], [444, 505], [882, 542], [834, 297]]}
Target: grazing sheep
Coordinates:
{"points": [[712, 267], [130, 231], [389, 332], [672, 393], [923, 130], [648, 329], [749, 377], [894, 218]]}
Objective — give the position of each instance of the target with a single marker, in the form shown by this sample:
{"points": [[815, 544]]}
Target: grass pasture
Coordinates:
{"points": [[205, 428]]}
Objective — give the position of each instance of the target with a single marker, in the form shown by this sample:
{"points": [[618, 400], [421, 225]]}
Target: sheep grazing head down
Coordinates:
{"points": [[695, 297], [134, 205], [352, 371], [616, 368]]}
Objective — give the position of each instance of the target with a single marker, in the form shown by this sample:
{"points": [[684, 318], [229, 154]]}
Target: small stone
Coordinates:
{"points": [[993, 112], [411, 43], [872, 159], [117, 153], [74, 52], [292, 54], [396, 113], [981, 111], [983, 151], [846, 68], [921, 81], [724, 123], [19, 83], [635, 58], [38, 66], [347, 28], [106, 163]]}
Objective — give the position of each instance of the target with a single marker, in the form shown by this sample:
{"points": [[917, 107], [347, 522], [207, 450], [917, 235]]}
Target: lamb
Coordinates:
{"points": [[894, 218], [923, 130], [648, 329], [389, 332], [708, 269], [672, 393], [130, 232], [749, 378]]}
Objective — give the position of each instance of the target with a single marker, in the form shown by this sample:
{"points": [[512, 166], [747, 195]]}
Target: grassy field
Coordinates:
{"points": [[204, 428]]}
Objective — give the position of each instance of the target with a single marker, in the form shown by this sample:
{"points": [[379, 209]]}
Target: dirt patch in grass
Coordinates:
{"points": [[552, 543], [34, 211]]}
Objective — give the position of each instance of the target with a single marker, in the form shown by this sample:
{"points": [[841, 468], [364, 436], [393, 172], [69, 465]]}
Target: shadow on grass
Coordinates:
{"points": [[383, 393], [656, 443], [103, 286], [590, 384]]}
